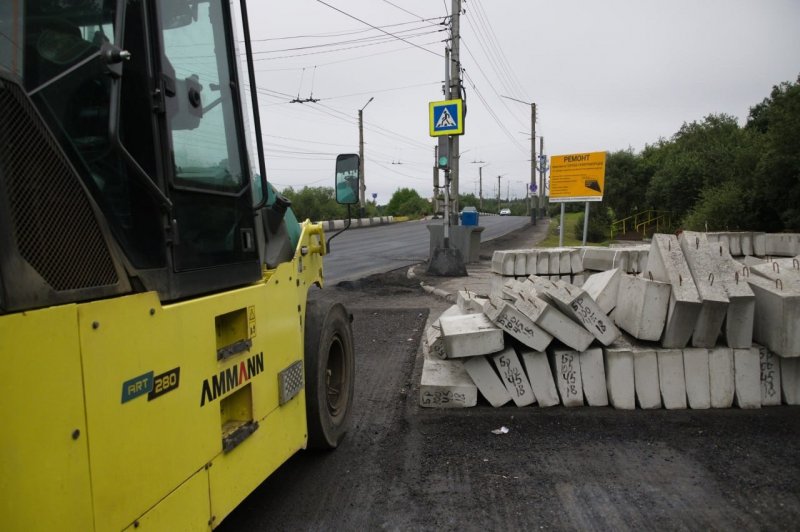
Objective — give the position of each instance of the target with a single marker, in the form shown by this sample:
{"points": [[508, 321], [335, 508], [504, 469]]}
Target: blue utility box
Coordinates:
{"points": [[469, 216]]}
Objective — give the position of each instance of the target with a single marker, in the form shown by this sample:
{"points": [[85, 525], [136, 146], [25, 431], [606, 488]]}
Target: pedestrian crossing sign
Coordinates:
{"points": [[446, 118]]}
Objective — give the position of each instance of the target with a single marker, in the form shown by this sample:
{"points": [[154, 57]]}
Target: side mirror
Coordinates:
{"points": [[347, 178]]}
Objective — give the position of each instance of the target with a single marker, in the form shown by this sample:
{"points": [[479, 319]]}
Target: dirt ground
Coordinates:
{"points": [[402, 467]]}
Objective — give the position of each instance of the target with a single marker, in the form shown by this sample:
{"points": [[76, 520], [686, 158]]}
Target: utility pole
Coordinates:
{"points": [[498, 193], [363, 185], [480, 188], [533, 150], [435, 181], [454, 92], [541, 177]]}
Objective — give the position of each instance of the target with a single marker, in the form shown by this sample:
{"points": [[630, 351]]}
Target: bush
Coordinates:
{"points": [[599, 224]]}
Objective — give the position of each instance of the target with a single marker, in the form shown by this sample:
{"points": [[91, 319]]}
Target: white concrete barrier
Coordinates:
{"points": [[646, 378], [514, 378], [747, 376], [487, 381], [593, 376], [603, 288], [540, 377], [790, 380], [698, 382], [713, 299], [470, 335], [642, 307], [567, 369], [770, 377], [721, 377], [620, 382], [446, 384], [671, 378]]}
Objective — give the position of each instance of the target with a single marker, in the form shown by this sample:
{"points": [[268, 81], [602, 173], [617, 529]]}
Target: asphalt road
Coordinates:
{"points": [[403, 467], [357, 253]]}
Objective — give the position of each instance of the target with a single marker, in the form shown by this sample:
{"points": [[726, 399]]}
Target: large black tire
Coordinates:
{"points": [[330, 373]]}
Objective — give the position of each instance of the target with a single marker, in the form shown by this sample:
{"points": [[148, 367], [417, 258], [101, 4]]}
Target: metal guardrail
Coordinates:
{"points": [[651, 220]]}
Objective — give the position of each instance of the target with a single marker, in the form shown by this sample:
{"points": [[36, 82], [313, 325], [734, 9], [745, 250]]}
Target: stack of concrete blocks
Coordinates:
{"points": [[629, 259], [551, 263], [776, 286], [758, 244]]}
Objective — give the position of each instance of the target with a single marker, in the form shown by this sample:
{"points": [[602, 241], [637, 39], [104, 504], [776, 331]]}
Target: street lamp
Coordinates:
{"points": [[533, 155], [362, 186]]}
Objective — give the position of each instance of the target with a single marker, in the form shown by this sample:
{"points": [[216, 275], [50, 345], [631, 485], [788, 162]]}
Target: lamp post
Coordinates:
{"points": [[362, 185], [533, 150]]}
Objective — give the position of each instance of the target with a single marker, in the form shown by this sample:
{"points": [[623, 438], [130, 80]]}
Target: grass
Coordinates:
{"points": [[570, 221]]}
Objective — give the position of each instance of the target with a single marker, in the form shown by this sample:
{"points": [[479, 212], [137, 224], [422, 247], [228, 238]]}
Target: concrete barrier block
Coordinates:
{"points": [[496, 286], [645, 378], [790, 380], [516, 324], [567, 369], [433, 344], [531, 262], [713, 299], [513, 376], [488, 383], [540, 377], [671, 378], [667, 264], [746, 240], [737, 328], [520, 263], [642, 305], [735, 244], [579, 306], [777, 313], [747, 377], [698, 381], [554, 321], [543, 263], [555, 261], [509, 263], [576, 262], [469, 302], [770, 376], [759, 244], [593, 376], [578, 279], [565, 261], [603, 288], [620, 381], [497, 261], [446, 384], [721, 377], [470, 335], [782, 244]]}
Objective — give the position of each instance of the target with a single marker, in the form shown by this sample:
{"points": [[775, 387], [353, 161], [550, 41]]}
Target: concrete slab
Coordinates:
{"points": [[713, 299], [667, 264], [777, 313], [543, 263], [513, 376], [564, 261], [555, 261], [746, 240], [576, 262], [620, 381], [782, 244], [516, 324], [520, 262], [735, 244], [489, 384], [470, 335], [603, 288], [759, 244], [642, 306], [646, 380], [602, 259], [671, 378], [593, 376], [737, 330], [540, 377], [770, 376], [446, 384], [579, 306], [721, 377], [567, 369], [747, 376], [433, 345], [698, 381], [790, 380], [469, 302], [531, 262], [554, 322], [497, 261]]}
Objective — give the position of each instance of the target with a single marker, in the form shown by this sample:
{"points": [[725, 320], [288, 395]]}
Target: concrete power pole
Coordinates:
{"points": [[362, 188], [541, 177], [480, 188], [533, 159], [454, 92]]}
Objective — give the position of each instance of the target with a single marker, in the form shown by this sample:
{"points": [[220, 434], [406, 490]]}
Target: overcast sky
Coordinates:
{"points": [[604, 75]]}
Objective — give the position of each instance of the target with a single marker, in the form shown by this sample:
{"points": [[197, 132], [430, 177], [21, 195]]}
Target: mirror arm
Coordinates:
{"points": [[346, 227]]}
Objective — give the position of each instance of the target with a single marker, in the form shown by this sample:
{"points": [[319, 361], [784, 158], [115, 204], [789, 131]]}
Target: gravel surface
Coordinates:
{"points": [[402, 467]]}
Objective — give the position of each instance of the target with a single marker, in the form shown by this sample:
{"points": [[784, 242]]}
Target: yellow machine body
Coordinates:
{"points": [[124, 413]]}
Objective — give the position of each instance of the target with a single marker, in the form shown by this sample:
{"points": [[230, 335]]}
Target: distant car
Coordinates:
{"points": [[505, 212]]}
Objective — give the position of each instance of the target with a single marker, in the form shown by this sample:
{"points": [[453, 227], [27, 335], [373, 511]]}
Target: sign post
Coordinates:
{"points": [[577, 177]]}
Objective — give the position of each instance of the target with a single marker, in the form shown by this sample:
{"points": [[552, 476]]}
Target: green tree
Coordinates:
{"points": [[775, 185], [407, 202], [599, 223], [315, 203], [626, 183]]}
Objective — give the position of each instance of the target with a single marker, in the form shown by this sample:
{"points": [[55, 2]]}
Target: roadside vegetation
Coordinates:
{"points": [[712, 174]]}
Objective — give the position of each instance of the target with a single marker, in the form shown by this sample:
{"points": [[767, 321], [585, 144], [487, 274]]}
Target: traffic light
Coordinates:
{"points": [[444, 152]]}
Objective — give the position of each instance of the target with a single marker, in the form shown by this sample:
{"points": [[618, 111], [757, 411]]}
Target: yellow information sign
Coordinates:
{"points": [[577, 177]]}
